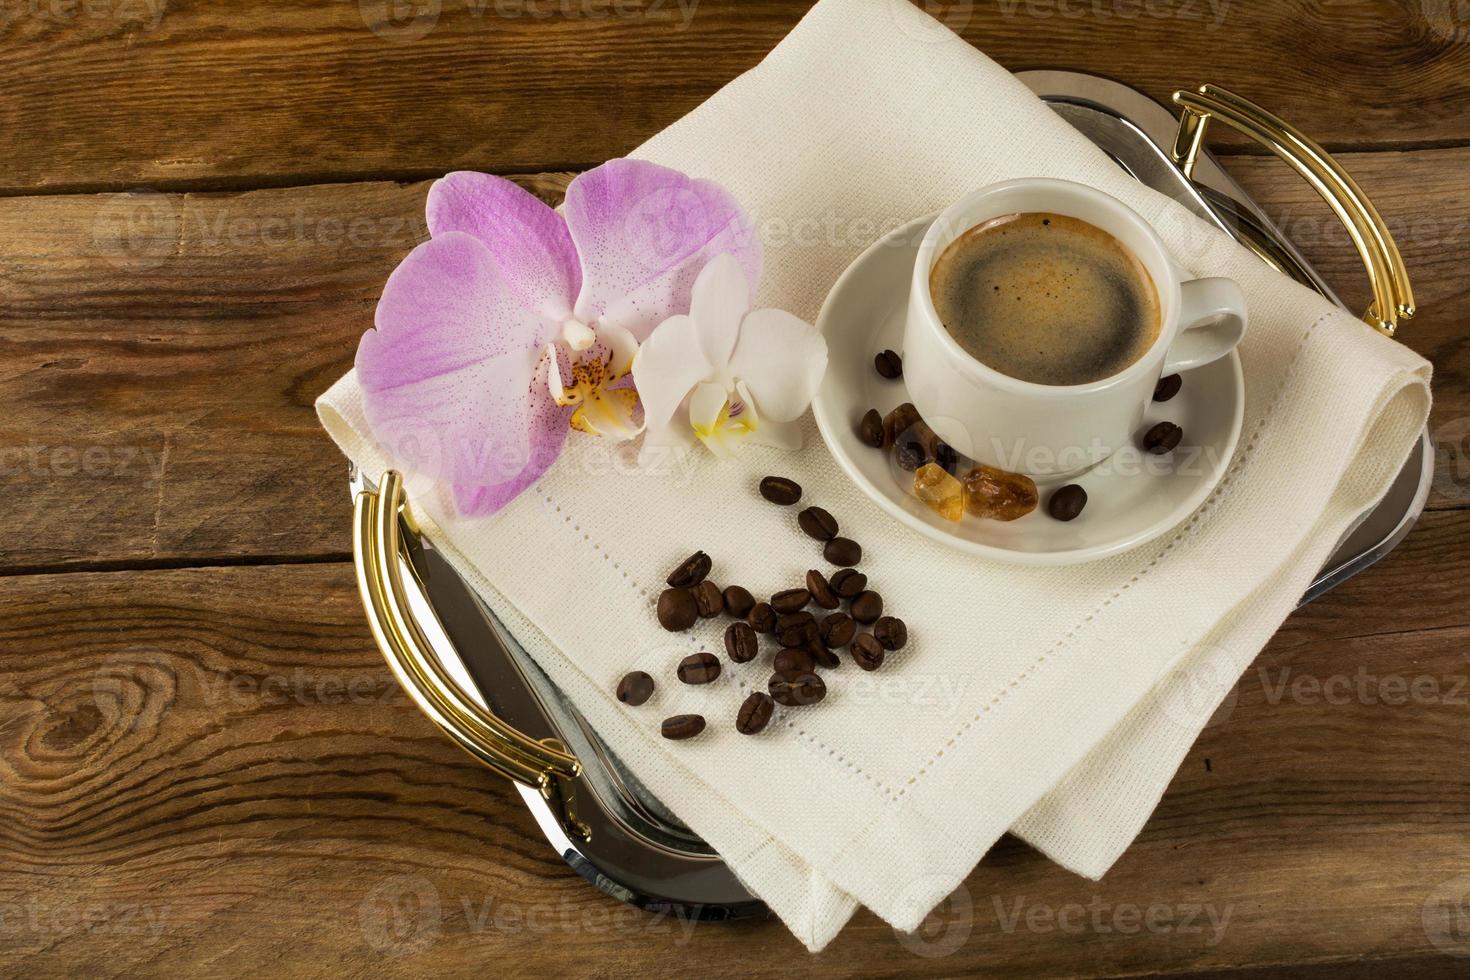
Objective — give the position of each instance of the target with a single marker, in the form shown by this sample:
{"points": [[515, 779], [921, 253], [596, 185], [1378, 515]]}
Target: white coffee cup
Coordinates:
{"points": [[1048, 431]]}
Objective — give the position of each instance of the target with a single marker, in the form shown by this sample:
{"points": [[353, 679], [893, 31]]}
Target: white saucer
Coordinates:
{"points": [[1132, 498]]}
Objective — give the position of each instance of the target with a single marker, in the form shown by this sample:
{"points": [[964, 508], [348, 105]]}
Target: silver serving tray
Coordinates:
{"points": [[637, 850], [1133, 129]]}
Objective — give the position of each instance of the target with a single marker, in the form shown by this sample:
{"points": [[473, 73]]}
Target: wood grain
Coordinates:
{"points": [[200, 94], [161, 353], [209, 770]]}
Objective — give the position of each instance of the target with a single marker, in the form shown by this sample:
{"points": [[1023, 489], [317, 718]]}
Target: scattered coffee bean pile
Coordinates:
{"points": [[806, 644]]}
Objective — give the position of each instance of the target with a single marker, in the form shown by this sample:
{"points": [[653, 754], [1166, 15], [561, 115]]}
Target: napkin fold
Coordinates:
{"points": [[1057, 703]]}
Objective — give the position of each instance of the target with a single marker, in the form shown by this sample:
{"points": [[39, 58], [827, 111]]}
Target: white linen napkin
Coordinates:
{"points": [[1054, 702]]}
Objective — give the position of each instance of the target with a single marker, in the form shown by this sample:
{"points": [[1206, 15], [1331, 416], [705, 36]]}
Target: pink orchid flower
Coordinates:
{"points": [[514, 324]]}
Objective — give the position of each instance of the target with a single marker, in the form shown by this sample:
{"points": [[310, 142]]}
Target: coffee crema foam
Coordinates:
{"points": [[1046, 298]]}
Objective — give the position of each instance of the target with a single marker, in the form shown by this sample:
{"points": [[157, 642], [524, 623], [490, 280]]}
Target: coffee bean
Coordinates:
{"points": [[635, 688], [790, 601], [866, 608], [867, 652], [870, 429], [796, 620], [817, 523], [946, 458], [755, 713], [680, 727], [843, 551], [824, 658], [796, 629], [699, 668], [794, 660], [779, 490], [741, 643], [1162, 438], [910, 456], [1067, 502], [889, 365], [677, 609], [762, 617], [691, 571], [1167, 387], [891, 633], [708, 599], [738, 602], [848, 582], [796, 690], [837, 630], [821, 590]]}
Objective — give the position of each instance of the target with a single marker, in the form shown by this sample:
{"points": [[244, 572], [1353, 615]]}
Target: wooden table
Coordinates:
{"points": [[205, 769]]}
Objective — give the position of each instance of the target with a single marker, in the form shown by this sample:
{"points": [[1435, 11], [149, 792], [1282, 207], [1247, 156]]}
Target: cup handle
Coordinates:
{"points": [[1212, 317]]}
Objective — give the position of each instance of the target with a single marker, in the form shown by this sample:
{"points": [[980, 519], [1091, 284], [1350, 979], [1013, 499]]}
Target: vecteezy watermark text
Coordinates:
{"points": [[1365, 688], [406, 914], [31, 917], [148, 13], [1126, 918], [401, 21], [41, 460], [1209, 13], [947, 928]]}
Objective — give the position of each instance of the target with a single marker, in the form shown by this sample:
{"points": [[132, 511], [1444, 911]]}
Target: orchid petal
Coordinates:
{"points": [[662, 444], [528, 241], [780, 435], [707, 415], [622, 345], [720, 299], [782, 359], [610, 412], [706, 404], [559, 382], [668, 366], [448, 376], [643, 234], [547, 436], [743, 415]]}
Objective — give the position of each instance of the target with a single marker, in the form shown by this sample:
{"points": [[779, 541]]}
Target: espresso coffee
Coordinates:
{"points": [[1046, 298]]}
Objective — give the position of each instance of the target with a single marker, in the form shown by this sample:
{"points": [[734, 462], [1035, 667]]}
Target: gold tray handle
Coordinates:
{"points": [[1393, 298], [377, 541]]}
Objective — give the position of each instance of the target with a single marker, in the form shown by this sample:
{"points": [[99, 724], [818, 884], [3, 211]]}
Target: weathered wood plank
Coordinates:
{"points": [[160, 357], [160, 354], [209, 771], [197, 94]]}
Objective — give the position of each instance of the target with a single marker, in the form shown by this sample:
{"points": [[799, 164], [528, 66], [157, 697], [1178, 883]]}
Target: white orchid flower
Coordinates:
{"points": [[725, 373]]}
